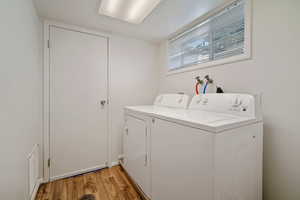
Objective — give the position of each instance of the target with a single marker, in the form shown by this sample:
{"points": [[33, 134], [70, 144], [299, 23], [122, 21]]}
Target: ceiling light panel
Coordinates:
{"points": [[133, 11]]}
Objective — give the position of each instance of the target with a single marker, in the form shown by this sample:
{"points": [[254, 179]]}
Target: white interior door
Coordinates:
{"points": [[78, 86]]}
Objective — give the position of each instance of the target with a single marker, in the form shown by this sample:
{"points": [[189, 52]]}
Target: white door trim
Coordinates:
{"points": [[46, 92]]}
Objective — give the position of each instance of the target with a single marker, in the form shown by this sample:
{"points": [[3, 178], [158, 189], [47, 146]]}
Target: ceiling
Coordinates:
{"points": [[167, 18]]}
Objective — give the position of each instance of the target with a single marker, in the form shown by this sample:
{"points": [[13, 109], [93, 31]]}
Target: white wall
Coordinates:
{"points": [[21, 94], [274, 71], [134, 81]]}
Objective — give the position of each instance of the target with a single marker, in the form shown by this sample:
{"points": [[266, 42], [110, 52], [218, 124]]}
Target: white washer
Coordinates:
{"points": [[211, 151]]}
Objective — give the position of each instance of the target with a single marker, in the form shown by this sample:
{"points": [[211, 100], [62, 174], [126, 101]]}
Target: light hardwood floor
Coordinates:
{"points": [[106, 184]]}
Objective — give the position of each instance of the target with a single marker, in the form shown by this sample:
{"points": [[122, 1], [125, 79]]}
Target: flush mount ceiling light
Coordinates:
{"points": [[133, 11]]}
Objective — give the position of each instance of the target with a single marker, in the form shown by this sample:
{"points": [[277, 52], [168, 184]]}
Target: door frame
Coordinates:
{"points": [[46, 91]]}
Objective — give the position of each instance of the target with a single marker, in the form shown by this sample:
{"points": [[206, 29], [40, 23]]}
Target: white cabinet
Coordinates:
{"points": [[182, 162], [136, 158]]}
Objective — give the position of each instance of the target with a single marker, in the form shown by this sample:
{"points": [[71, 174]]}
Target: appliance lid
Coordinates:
{"points": [[204, 120]]}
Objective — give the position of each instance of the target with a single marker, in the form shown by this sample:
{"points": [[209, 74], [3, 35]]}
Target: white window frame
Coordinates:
{"points": [[247, 41]]}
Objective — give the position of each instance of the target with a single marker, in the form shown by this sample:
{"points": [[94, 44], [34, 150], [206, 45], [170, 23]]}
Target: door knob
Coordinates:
{"points": [[103, 102]]}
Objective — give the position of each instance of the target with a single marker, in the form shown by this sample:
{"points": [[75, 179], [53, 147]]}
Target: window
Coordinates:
{"points": [[217, 40]]}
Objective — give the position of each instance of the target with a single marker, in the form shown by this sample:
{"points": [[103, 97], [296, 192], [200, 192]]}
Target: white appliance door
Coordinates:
{"points": [[181, 162], [78, 84], [136, 152]]}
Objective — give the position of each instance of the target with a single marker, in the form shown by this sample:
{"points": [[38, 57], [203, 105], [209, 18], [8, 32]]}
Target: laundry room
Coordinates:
{"points": [[150, 100]]}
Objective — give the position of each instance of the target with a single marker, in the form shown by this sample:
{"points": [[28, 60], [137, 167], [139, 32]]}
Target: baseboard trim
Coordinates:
{"points": [[115, 163], [36, 189], [75, 173]]}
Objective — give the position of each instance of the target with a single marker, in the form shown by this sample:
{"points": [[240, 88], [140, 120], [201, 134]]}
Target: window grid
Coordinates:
{"points": [[221, 36]]}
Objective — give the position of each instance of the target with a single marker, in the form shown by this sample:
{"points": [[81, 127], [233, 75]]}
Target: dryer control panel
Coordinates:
{"points": [[236, 104]]}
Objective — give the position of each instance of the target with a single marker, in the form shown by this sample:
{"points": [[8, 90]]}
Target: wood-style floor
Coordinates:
{"points": [[106, 184]]}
